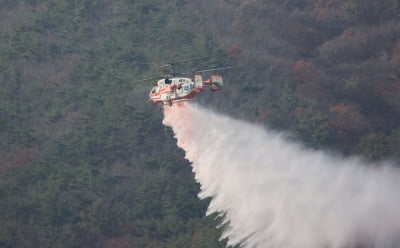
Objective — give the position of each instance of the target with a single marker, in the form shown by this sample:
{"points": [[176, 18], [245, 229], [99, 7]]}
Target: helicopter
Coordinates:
{"points": [[173, 88], [177, 89]]}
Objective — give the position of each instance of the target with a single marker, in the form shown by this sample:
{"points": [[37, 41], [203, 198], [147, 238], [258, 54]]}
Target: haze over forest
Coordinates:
{"points": [[84, 158]]}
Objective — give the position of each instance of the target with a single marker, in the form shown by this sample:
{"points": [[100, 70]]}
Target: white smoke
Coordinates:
{"points": [[275, 193]]}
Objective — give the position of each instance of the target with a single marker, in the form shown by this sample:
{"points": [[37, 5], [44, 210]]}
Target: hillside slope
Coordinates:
{"points": [[326, 70], [84, 158]]}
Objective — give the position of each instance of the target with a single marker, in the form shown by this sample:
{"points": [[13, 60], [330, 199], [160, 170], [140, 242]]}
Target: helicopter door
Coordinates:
{"points": [[179, 89]]}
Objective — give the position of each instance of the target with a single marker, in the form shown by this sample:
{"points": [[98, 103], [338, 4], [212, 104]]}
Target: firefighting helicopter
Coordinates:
{"points": [[174, 87]]}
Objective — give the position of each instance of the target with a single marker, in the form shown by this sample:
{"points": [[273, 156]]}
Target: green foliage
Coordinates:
{"points": [[379, 146], [312, 127], [372, 12]]}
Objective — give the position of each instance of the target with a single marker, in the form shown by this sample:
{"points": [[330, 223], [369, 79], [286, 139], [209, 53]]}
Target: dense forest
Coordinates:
{"points": [[84, 158]]}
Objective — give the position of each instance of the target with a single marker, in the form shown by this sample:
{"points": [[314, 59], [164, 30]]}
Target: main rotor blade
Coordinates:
{"points": [[147, 79], [216, 69], [213, 69]]}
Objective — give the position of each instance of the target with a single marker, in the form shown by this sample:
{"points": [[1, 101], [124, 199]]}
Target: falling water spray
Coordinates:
{"points": [[275, 193]]}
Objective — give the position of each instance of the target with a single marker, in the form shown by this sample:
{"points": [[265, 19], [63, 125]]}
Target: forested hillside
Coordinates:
{"points": [[84, 158], [326, 70]]}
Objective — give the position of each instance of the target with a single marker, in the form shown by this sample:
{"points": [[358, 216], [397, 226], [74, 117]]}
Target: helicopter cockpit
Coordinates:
{"points": [[163, 82]]}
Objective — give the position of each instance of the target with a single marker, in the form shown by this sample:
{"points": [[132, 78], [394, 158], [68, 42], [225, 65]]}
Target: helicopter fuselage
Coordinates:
{"points": [[168, 91]]}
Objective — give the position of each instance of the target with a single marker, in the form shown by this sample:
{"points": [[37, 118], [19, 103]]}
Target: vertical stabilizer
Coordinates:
{"points": [[198, 81], [217, 82]]}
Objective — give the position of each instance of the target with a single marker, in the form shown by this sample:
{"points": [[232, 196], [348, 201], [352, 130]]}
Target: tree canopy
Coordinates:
{"points": [[84, 158]]}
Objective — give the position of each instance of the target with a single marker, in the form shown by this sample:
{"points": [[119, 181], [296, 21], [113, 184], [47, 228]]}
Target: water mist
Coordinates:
{"points": [[276, 193]]}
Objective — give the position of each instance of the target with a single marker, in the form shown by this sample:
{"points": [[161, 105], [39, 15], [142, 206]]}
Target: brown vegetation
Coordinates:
{"points": [[21, 159]]}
